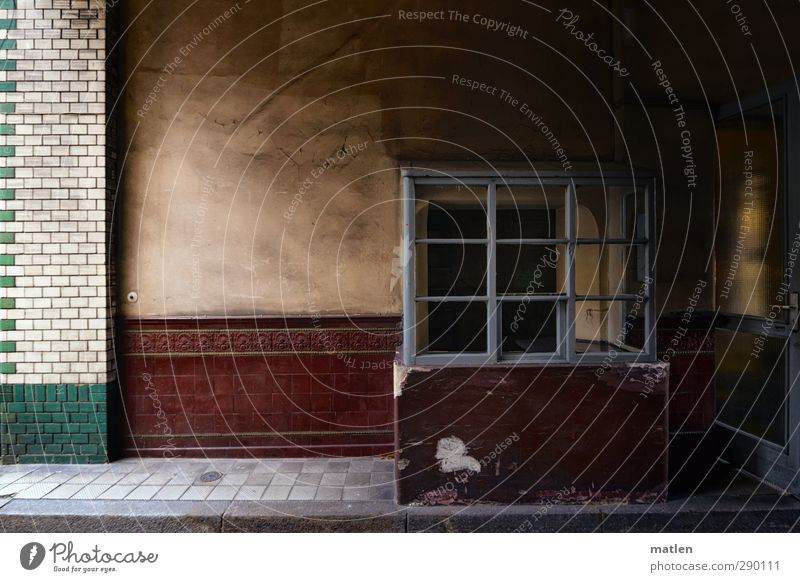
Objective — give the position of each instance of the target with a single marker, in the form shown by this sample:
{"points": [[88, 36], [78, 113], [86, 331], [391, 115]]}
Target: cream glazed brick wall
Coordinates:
{"points": [[61, 325]]}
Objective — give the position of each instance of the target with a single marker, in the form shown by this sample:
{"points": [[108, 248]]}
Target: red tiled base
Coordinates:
{"points": [[691, 374], [191, 401], [325, 385], [557, 434]]}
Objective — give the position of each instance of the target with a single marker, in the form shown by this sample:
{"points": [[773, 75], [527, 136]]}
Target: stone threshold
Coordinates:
{"points": [[773, 513]]}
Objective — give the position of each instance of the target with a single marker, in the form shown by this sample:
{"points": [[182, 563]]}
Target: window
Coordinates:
{"points": [[527, 266]]}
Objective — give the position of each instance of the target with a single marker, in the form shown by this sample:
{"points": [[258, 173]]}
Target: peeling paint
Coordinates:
{"points": [[452, 454], [400, 375]]}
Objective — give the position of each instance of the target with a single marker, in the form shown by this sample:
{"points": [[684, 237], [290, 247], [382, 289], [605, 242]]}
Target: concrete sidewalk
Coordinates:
{"points": [[337, 495], [361, 479]]}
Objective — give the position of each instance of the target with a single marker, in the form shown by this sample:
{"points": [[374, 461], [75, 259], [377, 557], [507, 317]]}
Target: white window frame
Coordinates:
{"points": [[567, 353]]}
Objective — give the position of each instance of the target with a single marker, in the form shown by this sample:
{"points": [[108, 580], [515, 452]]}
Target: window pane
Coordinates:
{"points": [[614, 212], [529, 327], [530, 212], [750, 390], [531, 269], [610, 269], [451, 211], [750, 237], [451, 327], [601, 326], [451, 269]]}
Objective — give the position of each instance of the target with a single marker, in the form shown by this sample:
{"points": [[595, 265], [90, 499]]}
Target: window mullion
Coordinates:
{"points": [[491, 272], [571, 217]]}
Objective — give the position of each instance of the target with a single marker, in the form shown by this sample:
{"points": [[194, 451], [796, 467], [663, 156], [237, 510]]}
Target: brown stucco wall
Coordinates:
{"points": [[216, 218]]}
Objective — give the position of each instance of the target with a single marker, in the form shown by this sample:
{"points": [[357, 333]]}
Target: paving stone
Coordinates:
{"points": [[35, 477], [120, 467], [196, 493], [276, 493], [383, 466], [152, 466], [83, 478], [171, 492], [161, 478], [291, 467], [13, 488], [267, 465], [308, 479], [221, 465], [133, 478], [125, 470], [10, 477], [337, 467], [335, 479], [250, 492], [36, 491], [259, 479], [180, 479], [143, 492], [314, 467], [65, 491], [116, 492], [109, 478], [329, 494], [58, 478], [361, 465], [92, 491], [382, 492], [355, 494], [302, 493], [357, 480], [284, 479], [222, 493], [381, 478], [129, 461], [234, 479]]}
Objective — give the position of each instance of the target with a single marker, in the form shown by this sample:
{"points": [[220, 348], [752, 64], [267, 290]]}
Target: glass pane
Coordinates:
{"points": [[601, 326], [616, 212], [751, 213], [610, 269], [531, 269], [751, 388], [529, 327], [530, 212], [451, 211], [451, 327], [451, 269]]}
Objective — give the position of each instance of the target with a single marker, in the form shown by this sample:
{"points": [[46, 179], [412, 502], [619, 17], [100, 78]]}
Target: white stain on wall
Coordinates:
{"points": [[452, 455]]}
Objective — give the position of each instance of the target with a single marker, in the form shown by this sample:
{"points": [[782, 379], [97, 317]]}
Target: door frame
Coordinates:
{"points": [[778, 465]]}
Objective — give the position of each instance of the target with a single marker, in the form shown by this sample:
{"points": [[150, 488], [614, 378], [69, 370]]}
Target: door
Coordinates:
{"points": [[757, 256]]}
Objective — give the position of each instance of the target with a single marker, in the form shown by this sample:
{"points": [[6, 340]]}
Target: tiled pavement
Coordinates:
{"points": [[337, 495], [361, 479]]}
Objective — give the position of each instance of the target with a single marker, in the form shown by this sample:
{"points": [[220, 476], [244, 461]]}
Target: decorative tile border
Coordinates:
{"points": [[282, 434], [262, 340], [7, 195]]}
